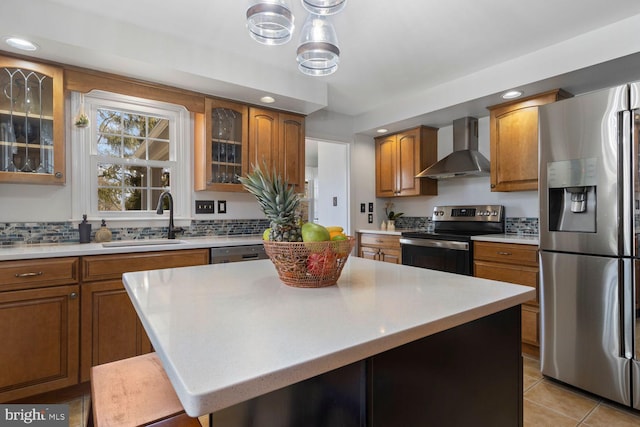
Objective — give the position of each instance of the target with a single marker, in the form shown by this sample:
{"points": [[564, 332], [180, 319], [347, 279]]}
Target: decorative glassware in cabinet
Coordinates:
{"points": [[226, 145], [31, 140]]}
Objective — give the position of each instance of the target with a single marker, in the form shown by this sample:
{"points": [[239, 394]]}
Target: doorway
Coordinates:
{"points": [[327, 182]]}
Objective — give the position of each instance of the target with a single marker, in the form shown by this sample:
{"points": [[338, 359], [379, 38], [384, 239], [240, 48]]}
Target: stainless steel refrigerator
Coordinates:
{"points": [[589, 208]]}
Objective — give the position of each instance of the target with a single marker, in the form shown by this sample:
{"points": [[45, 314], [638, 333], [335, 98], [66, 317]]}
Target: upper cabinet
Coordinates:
{"points": [[31, 123], [222, 157], [276, 139], [232, 138], [400, 157], [514, 142]]}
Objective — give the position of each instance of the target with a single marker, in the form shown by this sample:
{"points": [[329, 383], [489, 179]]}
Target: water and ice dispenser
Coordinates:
{"points": [[572, 195]]}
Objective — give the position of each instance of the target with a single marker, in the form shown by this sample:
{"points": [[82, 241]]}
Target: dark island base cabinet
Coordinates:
{"points": [[434, 381]]}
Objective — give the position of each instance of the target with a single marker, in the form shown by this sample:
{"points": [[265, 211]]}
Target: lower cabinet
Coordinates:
{"points": [[380, 247], [112, 331], [39, 314], [56, 323], [513, 263], [110, 326]]}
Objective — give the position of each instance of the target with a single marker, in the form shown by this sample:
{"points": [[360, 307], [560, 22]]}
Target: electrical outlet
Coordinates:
{"points": [[204, 207], [370, 219], [222, 206], [371, 207], [363, 209]]}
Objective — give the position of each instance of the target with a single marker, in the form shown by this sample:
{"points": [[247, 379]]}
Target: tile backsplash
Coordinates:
{"points": [[67, 232], [522, 226]]}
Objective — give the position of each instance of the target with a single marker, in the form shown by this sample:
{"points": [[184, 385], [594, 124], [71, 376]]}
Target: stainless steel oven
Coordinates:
{"points": [[449, 247]]}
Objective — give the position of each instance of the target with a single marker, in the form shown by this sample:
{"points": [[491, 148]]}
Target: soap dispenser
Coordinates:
{"points": [[85, 230], [104, 234]]}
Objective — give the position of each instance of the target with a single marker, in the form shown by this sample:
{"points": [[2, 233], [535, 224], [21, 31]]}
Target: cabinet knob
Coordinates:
{"points": [[58, 175], [73, 295], [32, 274], [504, 253]]}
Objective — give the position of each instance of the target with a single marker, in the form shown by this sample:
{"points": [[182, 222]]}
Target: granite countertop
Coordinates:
{"points": [[77, 249], [226, 333]]}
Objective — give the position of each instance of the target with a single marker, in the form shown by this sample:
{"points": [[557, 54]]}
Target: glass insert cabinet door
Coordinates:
{"points": [[31, 123], [224, 152]]}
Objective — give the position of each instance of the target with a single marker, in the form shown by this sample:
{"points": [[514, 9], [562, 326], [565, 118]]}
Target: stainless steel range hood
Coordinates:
{"points": [[465, 160]]}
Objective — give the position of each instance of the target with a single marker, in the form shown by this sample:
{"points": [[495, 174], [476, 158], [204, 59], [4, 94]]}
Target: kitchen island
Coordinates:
{"points": [[388, 345]]}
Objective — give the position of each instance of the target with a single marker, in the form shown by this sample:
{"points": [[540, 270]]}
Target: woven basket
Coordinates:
{"points": [[309, 264]]}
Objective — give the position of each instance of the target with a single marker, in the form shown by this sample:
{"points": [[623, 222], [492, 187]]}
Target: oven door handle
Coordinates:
{"points": [[432, 243]]}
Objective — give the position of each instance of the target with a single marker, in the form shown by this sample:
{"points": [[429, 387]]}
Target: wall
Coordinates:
{"points": [[332, 182], [467, 190], [36, 203]]}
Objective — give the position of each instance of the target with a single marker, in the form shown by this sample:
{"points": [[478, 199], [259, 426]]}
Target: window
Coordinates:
{"points": [[133, 150]]}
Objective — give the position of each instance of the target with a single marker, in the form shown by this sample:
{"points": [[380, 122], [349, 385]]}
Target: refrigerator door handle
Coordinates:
{"points": [[628, 306], [627, 154]]}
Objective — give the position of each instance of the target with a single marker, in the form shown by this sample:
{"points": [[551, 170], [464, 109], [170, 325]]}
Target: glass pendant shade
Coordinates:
{"points": [[270, 22], [324, 7], [318, 52]]}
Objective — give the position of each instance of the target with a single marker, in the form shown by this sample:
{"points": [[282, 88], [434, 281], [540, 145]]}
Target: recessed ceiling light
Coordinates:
{"points": [[21, 44], [382, 130], [512, 94], [268, 99]]}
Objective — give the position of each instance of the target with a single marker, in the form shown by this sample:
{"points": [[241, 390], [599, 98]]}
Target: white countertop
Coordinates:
{"points": [[396, 232], [509, 238], [77, 249], [230, 332], [500, 238]]}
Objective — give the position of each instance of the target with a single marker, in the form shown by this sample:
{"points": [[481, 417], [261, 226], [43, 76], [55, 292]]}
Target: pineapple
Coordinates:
{"points": [[278, 201]]}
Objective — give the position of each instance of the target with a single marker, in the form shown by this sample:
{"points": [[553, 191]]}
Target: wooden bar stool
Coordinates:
{"points": [[135, 392]]}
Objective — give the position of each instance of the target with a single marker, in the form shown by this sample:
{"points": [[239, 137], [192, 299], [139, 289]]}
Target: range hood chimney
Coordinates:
{"points": [[465, 160]]}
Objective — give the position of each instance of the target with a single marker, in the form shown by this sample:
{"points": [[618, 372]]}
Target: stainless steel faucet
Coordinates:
{"points": [[159, 210]]}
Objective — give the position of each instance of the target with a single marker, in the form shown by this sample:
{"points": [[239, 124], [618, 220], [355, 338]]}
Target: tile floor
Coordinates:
{"points": [[546, 404], [549, 403]]}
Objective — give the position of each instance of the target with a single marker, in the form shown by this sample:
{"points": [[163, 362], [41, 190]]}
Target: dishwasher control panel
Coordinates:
{"points": [[237, 253]]}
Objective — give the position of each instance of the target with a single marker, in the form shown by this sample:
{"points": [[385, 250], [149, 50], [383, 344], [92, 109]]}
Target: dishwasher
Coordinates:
{"points": [[237, 253]]}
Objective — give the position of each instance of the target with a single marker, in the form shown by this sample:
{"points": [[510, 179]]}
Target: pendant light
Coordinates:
{"points": [[270, 22], [318, 52], [324, 7]]}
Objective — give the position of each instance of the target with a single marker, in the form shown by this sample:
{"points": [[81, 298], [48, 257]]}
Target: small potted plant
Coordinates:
{"points": [[391, 215]]}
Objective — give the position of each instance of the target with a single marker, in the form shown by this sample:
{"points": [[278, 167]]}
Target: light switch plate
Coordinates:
{"points": [[204, 206], [222, 206]]}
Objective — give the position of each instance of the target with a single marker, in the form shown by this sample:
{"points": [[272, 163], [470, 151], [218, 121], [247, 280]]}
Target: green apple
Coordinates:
{"points": [[312, 232]]}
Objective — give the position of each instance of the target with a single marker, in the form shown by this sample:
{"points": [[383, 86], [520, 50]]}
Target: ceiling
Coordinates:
{"points": [[402, 63]]}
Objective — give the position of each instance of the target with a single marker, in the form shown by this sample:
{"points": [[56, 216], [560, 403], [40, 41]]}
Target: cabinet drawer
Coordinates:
{"points": [[527, 276], [507, 253], [530, 325], [105, 267], [380, 240], [38, 273]]}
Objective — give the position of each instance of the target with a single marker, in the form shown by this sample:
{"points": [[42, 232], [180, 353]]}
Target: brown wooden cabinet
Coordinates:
{"points": [[222, 146], [277, 139], [39, 314], [32, 145], [513, 263], [110, 327], [400, 157], [231, 138], [514, 141], [380, 247]]}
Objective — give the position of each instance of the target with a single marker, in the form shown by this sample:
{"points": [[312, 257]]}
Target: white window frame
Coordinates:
{"points": [[85, 159]]}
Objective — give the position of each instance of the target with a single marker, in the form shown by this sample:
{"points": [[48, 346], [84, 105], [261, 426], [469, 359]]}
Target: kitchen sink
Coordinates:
{"points": [[145, 242]]}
